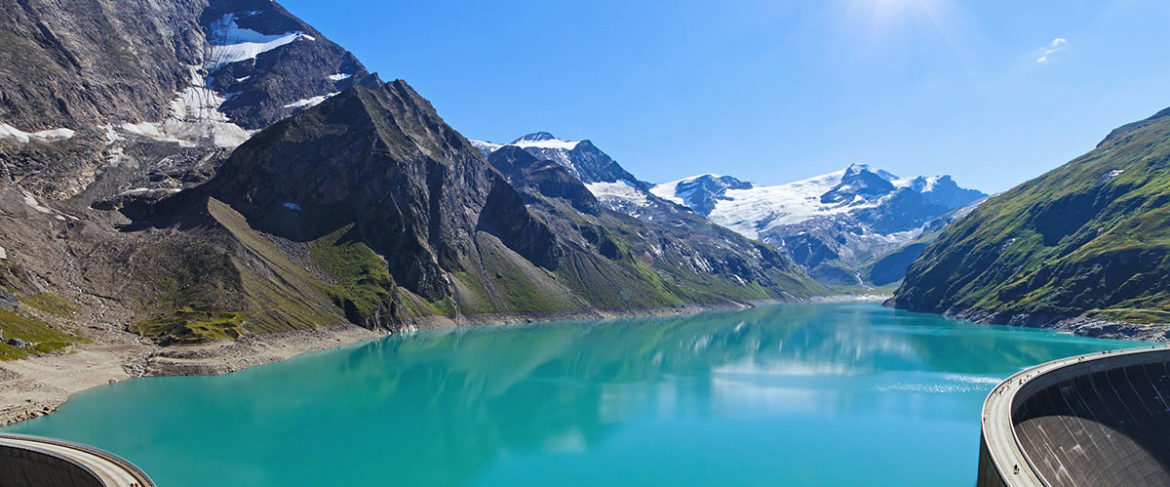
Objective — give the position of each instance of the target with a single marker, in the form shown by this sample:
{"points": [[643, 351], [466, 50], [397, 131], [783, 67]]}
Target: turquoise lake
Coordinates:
{"points": [[792, 394]]}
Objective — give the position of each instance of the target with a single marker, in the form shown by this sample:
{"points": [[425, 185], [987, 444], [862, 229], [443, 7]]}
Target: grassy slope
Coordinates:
{"points": [[30, 321], [229, 281], [40, 336], [1089, 238]]}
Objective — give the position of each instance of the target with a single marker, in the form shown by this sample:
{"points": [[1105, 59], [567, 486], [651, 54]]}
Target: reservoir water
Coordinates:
{"points": [[792, 394]]}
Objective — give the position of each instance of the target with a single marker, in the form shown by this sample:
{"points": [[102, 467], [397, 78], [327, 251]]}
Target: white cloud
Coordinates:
{"points": [[1058, 44]]}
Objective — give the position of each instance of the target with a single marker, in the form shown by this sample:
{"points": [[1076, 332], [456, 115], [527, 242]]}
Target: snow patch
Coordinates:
{"points": [[3, 254], [623, 191], [110, 133], [310, 102], [50, 135], [232, 44], [292, 206], [485, 146], [340, 76], [144, 191], [32, 202], [194, 116], [547, 144]]}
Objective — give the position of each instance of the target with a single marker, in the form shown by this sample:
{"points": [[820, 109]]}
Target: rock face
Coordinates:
{"points": [[682, 243], [380, 159], [268, 64], [697, 260], [609, 182], [543, 177], [398, 218], [835, 226], [1086, 239], [139, 92]]}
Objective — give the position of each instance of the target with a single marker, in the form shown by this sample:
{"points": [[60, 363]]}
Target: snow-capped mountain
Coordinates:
{"points": [[213, 73], [831, 224], [613, 186]]}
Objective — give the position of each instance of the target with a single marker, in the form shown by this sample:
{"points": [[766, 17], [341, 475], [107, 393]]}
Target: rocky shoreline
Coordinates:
{"points": [[1082, 325], [37, 386]]}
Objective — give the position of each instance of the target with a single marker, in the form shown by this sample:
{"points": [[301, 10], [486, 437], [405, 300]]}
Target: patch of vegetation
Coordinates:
{"points": [[364, 288], [1130, 315], [189, 325], [277, 294], [52, 304], [184, 275], [39, 337]]}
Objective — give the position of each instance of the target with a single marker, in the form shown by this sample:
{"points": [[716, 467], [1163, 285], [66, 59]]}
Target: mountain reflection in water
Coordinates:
{"points": [[795, 393]]}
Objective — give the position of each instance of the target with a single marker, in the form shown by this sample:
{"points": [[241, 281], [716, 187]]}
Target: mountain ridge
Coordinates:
{"points": [[1083, 243], [833, 225]]}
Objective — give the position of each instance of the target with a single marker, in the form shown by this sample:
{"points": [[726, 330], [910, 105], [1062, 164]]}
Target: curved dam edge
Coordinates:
{"points": [[46, 462], [1003, 461]]}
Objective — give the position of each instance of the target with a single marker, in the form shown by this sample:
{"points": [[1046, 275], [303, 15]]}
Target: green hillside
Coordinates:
{"points": [[1091, 238]]}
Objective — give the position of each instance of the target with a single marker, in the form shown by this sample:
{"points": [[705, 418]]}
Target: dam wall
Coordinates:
{"points": [[1099, 419], [24, 467], [29, 461]]}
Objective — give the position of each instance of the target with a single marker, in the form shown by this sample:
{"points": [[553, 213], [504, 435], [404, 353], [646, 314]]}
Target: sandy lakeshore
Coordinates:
{"points": [[36, 386]]}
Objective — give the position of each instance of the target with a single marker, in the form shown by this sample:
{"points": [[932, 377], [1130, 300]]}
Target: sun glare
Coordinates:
{"points": [[884, 15]]}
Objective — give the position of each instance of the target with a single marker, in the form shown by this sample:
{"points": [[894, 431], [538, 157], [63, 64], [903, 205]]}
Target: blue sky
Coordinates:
{"points": [[993, 92]]}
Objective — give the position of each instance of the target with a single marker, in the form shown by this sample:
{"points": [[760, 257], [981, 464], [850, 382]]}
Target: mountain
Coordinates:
{"points": [[613, 186], [137, 96], [199, 171], [1086, 240], [396, 217], [580, 174], [832, 225], [697, 259]]}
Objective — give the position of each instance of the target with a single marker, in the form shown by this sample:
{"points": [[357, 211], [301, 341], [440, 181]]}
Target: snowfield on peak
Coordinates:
{"points": [[622, 191], [547, 144], [309, 102], [485, 147], [231, 44], [760, 208], [832, 225]]}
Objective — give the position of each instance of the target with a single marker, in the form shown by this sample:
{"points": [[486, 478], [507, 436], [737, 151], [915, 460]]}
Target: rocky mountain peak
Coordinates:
{"points": [[858, 180], [382, 160], [535, 137], [701, 193]]}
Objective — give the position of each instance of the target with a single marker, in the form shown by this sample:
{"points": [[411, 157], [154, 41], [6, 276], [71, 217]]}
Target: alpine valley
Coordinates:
{"points": [[193, 186], [197, 186]]}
